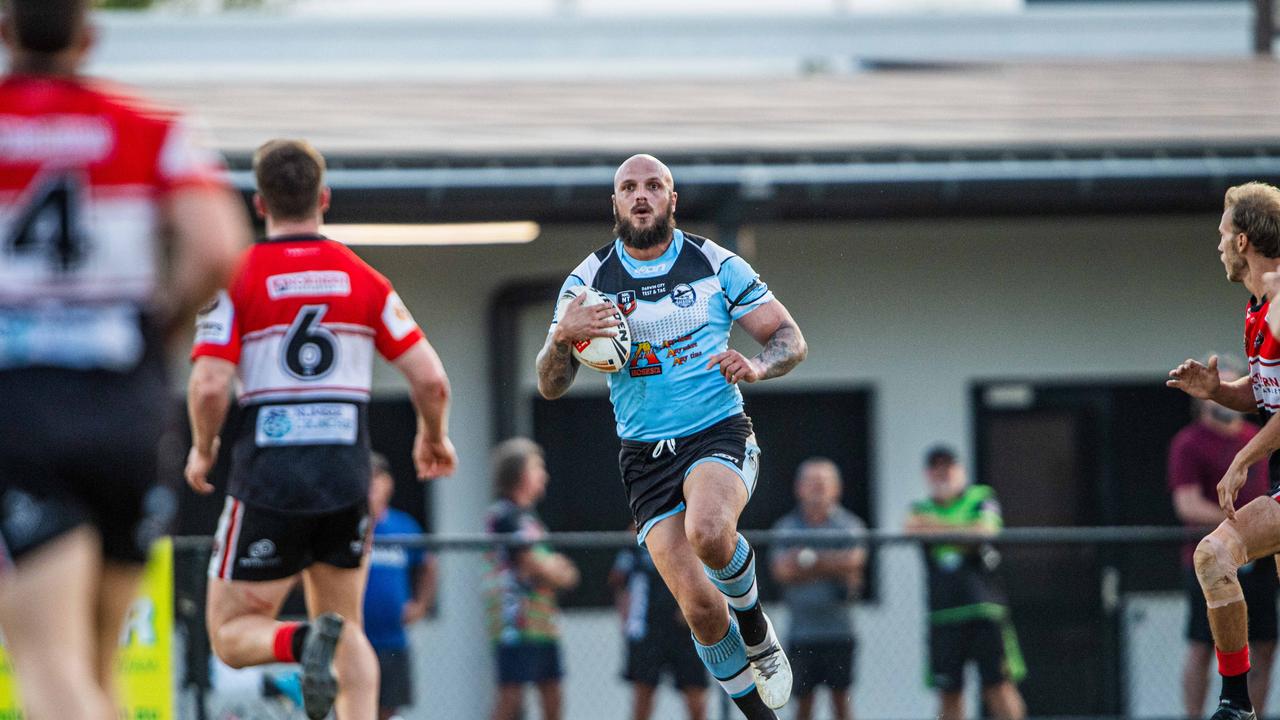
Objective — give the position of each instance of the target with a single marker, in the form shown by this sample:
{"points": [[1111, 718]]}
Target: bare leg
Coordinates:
{"points": [[117, 591], [951, 705], [804, 706], [1005, 701], [695, 703], [641, 701], [47, 613], [552, 700], [507, 704], [355, 665], [1260, 656], [1195, 677], [841, 706], [703, 606], [715, 497], [241, 616], [1255, 526]]}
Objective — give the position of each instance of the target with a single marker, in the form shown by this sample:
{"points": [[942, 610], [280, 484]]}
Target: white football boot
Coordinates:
{"points": [[770, 669]]}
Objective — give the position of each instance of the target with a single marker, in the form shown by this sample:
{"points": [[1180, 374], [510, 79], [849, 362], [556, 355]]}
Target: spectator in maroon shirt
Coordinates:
{"points": [[1198, 456]]}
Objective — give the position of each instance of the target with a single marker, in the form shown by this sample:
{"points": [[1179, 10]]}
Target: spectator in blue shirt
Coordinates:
{"points": [[401, 590]]}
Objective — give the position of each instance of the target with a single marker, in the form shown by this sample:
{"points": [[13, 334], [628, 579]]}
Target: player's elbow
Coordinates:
{"points": [[207, 389], [549, 390]]}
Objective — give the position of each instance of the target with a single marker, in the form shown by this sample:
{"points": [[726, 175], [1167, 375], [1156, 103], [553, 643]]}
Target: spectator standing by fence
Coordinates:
{"points": [[401, 591], [1199, 456], [968, 612], [817, 587], [523, 580]]}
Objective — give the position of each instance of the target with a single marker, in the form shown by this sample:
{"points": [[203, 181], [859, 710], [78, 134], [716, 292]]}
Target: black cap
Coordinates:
{"points": [[939, 455]]}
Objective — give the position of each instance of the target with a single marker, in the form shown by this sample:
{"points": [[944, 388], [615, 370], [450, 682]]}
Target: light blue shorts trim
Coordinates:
{"points": [[644, 531], [749, 473]]}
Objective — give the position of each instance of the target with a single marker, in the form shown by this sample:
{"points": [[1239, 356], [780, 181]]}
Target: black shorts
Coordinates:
{"points": [[259, 544], [650, 658], [653, 473], [1259, 584], [395, 667], [532, 662], [79, 448], [828, 663], [991, 644]]}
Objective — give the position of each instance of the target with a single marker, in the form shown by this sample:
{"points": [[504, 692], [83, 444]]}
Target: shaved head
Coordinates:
{"points": [[644, 203], [645, 165]]}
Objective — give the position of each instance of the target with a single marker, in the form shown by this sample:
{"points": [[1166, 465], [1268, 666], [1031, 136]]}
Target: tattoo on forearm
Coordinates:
{"points": [[783, 352], [555, 369]]}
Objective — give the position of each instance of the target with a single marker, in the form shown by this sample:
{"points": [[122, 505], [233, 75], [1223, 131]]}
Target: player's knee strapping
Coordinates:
{"points": [[1218, 557], [737, 580], [727, 662]]}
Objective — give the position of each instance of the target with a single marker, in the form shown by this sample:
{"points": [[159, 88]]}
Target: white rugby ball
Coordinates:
{"points": [[606, 354]]}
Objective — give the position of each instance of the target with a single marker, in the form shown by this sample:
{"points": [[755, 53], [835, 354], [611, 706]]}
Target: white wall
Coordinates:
{"points": [[917, 309]]}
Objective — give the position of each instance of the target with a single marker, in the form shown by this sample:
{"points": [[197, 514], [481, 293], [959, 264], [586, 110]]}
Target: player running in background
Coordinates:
{"points": [[689, 458], [1249, 248], [114, 228], [298, 328]]}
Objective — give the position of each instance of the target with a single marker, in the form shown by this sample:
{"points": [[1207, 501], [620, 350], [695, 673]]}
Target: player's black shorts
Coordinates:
{"points": [[649, 658], [79, 447], [991, 644], [815, 663], [653, 473], [1259, 584], [395, 689], [259, 544]]}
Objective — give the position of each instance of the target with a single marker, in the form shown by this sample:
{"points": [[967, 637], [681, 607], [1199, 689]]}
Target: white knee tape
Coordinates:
{"points": [[1217, 559]]}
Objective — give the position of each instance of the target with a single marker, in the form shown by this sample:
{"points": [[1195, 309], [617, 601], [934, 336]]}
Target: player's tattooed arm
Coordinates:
{"points": [[784, 346], [556, 368], [784, 350]]}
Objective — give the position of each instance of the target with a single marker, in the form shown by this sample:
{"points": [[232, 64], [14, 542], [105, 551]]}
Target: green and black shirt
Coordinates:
{"points": [[962, 580]]}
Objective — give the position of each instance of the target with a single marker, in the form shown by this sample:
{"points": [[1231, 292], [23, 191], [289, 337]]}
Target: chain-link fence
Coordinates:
{"points": [[1100, 615]]}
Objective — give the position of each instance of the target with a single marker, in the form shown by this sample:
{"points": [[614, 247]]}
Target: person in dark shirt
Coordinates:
{"points": [[1199, 456], [968, 612], [657, 636], [523, 579]]}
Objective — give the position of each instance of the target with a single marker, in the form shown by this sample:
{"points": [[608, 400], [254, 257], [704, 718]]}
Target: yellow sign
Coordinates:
{"points": [[145, 665]]}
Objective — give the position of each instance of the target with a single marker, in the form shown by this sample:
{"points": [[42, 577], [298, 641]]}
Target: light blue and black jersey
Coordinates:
{"points": [[680, 308]]}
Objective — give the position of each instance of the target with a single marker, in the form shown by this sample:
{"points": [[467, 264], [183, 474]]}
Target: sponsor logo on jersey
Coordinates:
{"points": [[659, 269], [652, 290], [307, 424], [309, 283], [684, 296], [627, 301], [644, 361], [62, 139]]}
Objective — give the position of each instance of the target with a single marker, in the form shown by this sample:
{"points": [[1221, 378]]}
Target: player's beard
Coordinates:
{"points": [[643, 239]]}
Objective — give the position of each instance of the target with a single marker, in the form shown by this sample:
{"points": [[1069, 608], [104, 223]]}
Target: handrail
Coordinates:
{"points": [[1111, 535]]}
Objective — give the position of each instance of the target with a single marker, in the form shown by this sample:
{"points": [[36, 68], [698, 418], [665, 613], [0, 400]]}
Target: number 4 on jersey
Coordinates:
{"points": [[49, 225]]}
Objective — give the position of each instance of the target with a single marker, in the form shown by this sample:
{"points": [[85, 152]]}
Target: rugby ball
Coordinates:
{"points": [[606, 354]]}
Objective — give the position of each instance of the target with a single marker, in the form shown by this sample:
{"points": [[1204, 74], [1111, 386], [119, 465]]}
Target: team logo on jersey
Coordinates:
{"points": [[683, 296], [644, 360], [277, 423], [1257, 342], [627, 301]]}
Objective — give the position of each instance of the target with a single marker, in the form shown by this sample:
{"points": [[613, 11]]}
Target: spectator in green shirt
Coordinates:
{"points": [[968, 612]]}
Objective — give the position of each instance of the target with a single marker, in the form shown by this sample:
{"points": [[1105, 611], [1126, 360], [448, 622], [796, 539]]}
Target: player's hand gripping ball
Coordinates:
{"points": [[608, 353]]}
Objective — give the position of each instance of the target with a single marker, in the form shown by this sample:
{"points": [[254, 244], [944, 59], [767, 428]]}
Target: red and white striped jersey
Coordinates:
{"points": [[302, 318], [1263, 350], [84, 173]]}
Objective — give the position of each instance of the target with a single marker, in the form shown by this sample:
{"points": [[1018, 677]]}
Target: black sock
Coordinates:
{"points": [[299, 637], [751, 623], [1235, 690], [753, 708]]}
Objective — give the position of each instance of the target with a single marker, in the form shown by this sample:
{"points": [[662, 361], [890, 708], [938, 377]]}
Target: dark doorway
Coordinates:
{"points": [[1078, 454]]}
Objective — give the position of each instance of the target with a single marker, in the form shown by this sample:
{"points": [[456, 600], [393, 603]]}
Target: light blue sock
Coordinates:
{"points": [[737, 580], [727, 662]]}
